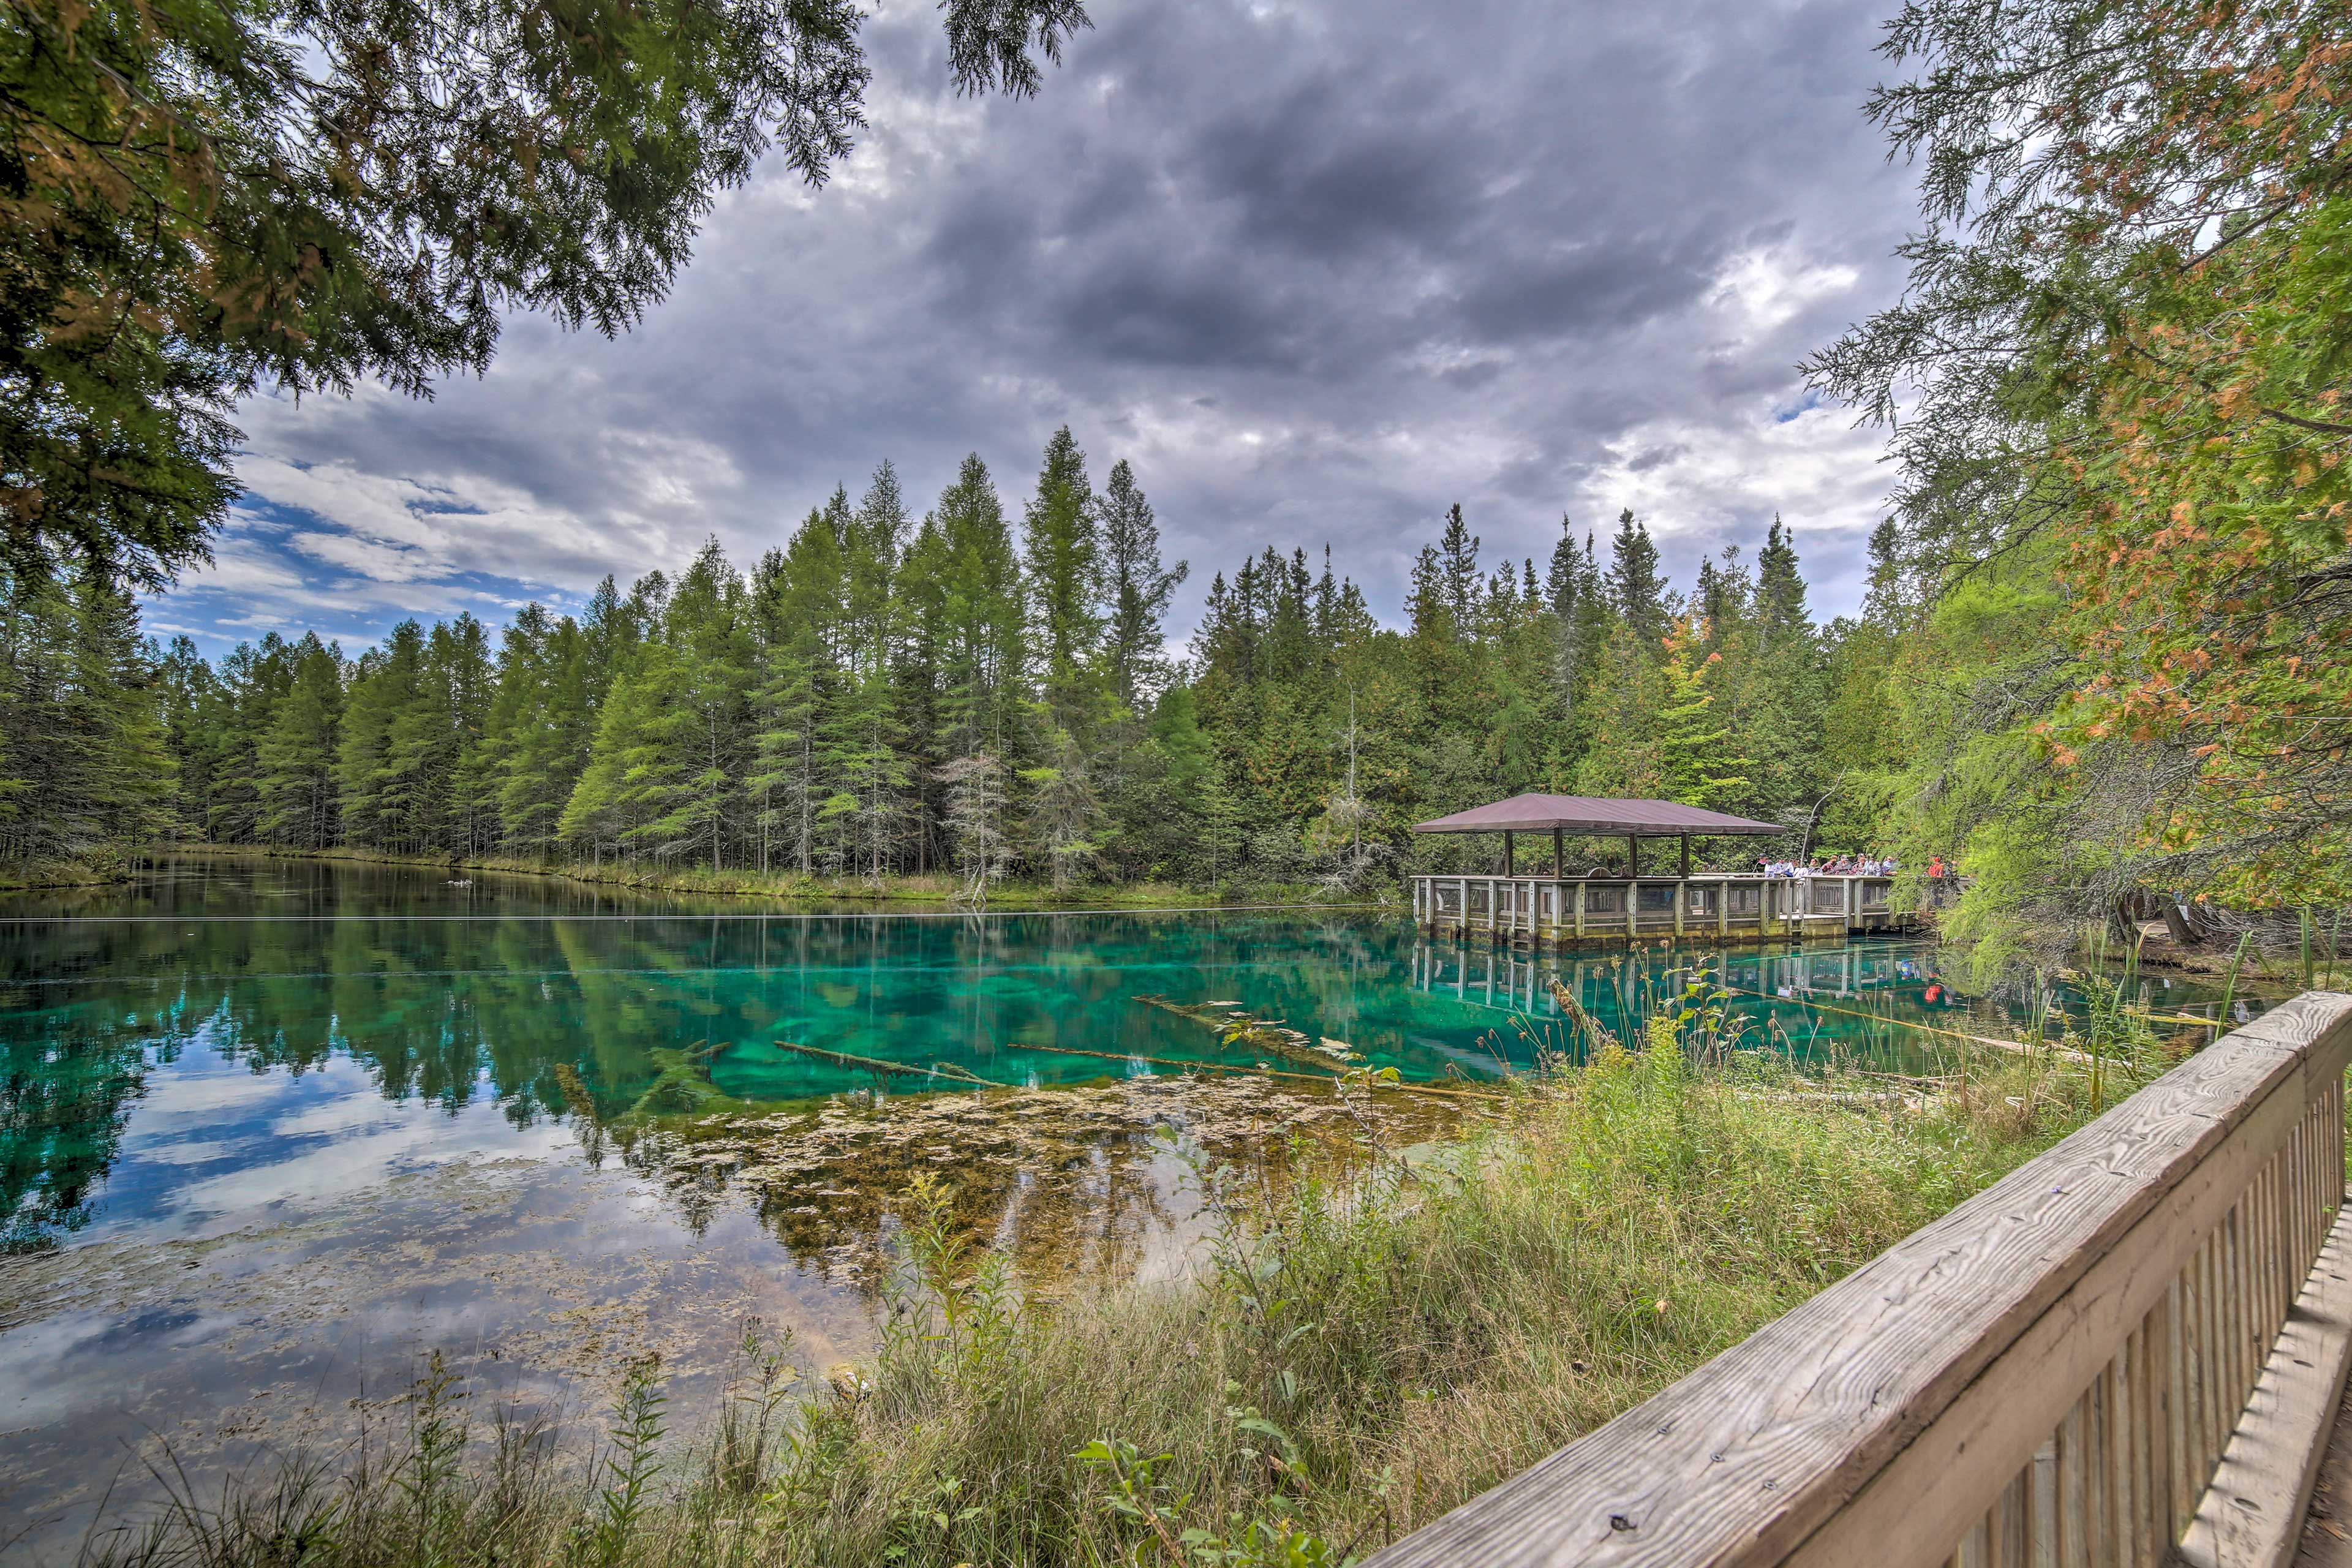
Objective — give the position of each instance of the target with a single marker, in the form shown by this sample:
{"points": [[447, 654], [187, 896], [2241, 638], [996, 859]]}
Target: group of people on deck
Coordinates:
{"points": [[1834, 866]]}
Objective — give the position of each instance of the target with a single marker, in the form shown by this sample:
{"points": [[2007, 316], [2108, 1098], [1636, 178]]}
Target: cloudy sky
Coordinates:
{"points": [[1318, 267]]}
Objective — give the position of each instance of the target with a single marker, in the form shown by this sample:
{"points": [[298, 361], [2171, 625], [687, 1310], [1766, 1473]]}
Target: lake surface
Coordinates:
{"points": [[271, 1131]]}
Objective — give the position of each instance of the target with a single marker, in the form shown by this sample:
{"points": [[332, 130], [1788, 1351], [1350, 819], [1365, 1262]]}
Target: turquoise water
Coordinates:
{"points": [[270, 1131], [459, 994]]}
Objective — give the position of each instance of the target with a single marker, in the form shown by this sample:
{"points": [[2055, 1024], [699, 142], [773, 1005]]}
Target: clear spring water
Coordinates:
{"points": [[270, 1131]]}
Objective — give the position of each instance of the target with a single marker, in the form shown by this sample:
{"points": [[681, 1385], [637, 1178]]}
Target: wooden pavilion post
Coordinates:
{"points": [[1685, 857], [1632, 855], [1558, 856], [1508, 836]]}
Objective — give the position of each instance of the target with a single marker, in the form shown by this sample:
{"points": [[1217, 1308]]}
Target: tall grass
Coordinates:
{"points": [[1357, 1353]]}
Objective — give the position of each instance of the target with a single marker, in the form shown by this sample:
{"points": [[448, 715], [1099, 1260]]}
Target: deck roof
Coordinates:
{"points": [[1594, 815]]}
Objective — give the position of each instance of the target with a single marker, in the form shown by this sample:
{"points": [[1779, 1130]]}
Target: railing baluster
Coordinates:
{"points": [[2121, 1537], [2072, 1497], [2189, 1471], [2180, 1491], [2012, 1522], [2151, 1519], [2242, 1276], [2123, 1497], [2042, 1530], [2200, 1354]]}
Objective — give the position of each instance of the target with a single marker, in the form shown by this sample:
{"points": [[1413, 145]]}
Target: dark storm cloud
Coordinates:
{"points": [[1595, 289], [1318, 270]]}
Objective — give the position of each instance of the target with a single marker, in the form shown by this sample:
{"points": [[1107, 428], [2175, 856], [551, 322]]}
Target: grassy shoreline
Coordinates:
{"points": [[20, 877], [1357, 1354], [792, 887]]}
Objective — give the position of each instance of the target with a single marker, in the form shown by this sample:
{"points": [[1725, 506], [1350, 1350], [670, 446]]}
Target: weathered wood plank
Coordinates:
{"points": [[1746, 1460], [2252, 1516]]}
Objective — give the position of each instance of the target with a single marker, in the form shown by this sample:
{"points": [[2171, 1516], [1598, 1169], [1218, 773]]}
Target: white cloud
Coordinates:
{"points": [[239, 567], [1765, 290], [406, 528], [1706, 484], [366, 557]]}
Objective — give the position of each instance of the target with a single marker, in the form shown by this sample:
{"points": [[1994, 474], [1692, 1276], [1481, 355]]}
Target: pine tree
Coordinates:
{"points": [[863, 740], [872, 545], [130, 792], [384, 693], [799, 594], [438, 686], [461, 651], [296, 755], [610, 629], [191, 703], [1619, 749], [85, 777], [1063, 551], [881, 700], [1136, 589], [618, 638], [682, 746], [599, 812], [540, 727], [1580, 619], [1065, 819], [1785, 728], [1439, 603], [226, 736], [869, 770], [1864, 742], [980, 618], [1457, 566], [782, 781], [1636, 590], [1631, 691]]}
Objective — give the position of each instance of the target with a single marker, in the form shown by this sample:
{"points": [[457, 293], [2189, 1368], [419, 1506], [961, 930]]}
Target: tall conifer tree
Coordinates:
{"points": [[1136, 588], [1063, 550]]}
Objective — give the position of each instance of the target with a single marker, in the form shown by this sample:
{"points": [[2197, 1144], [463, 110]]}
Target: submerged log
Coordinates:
{"points": [[1272, 1036], [1255, 1071], [875, 1063]]}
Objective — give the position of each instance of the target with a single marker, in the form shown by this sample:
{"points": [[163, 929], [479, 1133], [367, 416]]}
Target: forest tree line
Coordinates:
{"points": [[883, 695]]}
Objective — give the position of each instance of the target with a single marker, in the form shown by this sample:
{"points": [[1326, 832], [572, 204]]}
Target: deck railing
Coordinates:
{"points": [[1565, 907], [2126, 1351]]}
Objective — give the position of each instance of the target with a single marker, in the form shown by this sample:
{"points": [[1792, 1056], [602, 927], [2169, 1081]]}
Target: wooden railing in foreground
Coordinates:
{"points": [[2126, 1351]]}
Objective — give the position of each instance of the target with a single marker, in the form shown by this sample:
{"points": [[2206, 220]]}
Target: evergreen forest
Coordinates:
{"points": [[975, 694]]}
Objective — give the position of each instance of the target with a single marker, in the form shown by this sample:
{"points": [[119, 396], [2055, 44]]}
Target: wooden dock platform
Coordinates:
{"points": [[1557, 914]]}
